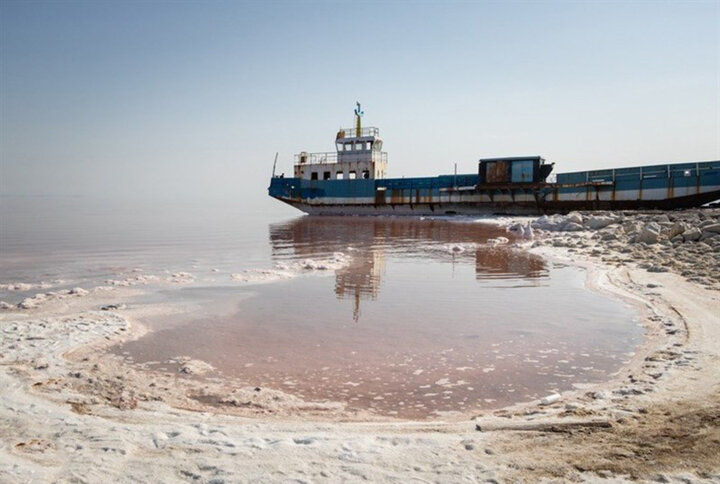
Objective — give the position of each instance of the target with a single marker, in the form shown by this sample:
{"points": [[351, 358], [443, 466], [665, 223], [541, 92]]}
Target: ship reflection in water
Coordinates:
{"points": [[416, 318], [369, 241]]}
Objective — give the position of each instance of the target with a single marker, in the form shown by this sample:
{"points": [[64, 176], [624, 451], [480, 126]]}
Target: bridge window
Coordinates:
{"points": [[326, 175], [347, 146], [314, 175], [352, 175], [339, 175], [366, 174]]}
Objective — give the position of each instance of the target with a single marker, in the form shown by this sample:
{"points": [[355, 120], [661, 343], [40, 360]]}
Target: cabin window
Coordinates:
{"points": [[326, 175], [366, 174], [314, 175], [359, 146], [339, 146], [352, 175], [339, 175], [347, 146]]}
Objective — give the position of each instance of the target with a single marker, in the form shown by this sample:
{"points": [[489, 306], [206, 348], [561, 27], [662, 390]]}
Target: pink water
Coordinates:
{"points": [[426, 318]]}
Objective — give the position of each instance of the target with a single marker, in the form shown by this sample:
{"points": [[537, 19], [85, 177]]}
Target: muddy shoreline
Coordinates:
{"points": [[658, 419]]}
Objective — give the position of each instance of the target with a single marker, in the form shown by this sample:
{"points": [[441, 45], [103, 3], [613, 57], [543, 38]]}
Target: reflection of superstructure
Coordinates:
{"points": [[368, 241], [361, 279], [317, 238]]}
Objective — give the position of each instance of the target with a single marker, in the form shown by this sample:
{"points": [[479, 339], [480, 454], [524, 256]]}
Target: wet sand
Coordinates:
{"points": [[69, 413]]}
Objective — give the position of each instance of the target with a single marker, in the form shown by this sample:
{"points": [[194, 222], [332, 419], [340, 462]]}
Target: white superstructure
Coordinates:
{"points": [[358, 155]]}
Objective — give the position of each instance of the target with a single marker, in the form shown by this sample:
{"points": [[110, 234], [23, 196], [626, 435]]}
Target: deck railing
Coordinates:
{"points": [[677, 170], [353, 132], [332, 157]]}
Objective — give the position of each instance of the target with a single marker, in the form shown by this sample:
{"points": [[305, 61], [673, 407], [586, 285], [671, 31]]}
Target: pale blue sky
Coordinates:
{"points": [[164, 100]]}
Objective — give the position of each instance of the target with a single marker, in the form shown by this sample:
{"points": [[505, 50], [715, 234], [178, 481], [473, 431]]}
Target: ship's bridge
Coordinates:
{"points": [[359, 155]]}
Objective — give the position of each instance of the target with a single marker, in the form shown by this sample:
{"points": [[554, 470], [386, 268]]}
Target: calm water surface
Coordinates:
{"points": [[420, 316]]}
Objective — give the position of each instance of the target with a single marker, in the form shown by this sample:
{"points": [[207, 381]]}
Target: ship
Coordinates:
{"points": [[351, 181]]}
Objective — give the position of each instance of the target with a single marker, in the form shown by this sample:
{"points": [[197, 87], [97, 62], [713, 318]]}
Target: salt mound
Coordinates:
{"points": [[287, 271], [193, 367], [260, 275], [498, 241], [24, 286], [523, 230], [132, 281], [453, 248], [599, 222], [574, 222], [337, 261], [559, 223], [41, 298], [181, 278], [649, 234]]}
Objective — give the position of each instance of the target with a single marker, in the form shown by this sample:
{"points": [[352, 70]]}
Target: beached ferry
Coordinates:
{"points": [[351, 181]]}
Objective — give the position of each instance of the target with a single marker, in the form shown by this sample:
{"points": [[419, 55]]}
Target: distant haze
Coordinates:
{"points": [[191, 100]]}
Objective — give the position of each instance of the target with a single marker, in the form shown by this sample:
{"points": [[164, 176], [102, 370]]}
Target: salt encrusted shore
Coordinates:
{"points": [[70, 413]]}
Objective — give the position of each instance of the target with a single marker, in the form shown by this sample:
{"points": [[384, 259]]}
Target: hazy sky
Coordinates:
{"points": [[192, 99]]}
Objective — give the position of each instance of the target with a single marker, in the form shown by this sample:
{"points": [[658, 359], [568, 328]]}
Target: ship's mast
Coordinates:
{"points": [[358, 124]]}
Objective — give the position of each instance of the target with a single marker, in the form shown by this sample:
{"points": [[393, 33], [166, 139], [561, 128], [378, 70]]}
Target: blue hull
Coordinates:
{"points": [[664, 187]]}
